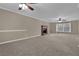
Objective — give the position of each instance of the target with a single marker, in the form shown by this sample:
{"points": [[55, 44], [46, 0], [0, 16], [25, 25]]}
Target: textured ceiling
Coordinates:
{"points": [[47, 11]]}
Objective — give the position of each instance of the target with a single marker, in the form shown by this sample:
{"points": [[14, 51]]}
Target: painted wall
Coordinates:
{"points": [[78, 26], [14, 26], [74, 27], [52, 27]]}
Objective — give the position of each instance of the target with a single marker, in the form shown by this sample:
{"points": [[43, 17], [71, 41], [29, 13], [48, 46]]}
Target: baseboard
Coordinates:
{"points": [[18, 39]]}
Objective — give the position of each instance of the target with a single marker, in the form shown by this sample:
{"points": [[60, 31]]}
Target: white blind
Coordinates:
{"points": [[63, 27]]}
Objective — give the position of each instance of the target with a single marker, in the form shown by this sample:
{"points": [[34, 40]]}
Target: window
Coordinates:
{"points": [[63, 27]]}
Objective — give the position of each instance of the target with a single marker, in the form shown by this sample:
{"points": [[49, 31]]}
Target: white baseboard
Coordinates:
{"points": [[18, 39], [12, 30]]}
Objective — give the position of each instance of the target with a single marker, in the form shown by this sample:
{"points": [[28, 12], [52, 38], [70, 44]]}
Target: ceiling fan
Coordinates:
{"points": [[61, 20], [23, 6]]}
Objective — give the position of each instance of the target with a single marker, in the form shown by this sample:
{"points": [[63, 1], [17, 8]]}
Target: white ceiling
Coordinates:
{"points": [[47, 11]]}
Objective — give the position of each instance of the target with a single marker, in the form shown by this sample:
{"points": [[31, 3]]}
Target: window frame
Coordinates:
{"points": [[63, 25]]}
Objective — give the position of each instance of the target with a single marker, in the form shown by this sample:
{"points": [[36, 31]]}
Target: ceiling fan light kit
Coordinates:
{"points": [[24, 6], [61, 20]]}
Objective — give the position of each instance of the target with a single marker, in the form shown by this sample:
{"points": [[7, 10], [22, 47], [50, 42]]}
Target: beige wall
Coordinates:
{"points": [[78, 27], [13, 21], [52, 27], [74, 27]]}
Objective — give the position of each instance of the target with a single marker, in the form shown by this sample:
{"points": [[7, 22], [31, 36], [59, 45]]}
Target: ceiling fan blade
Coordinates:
{"points": [[32, 3], [30, 7]]}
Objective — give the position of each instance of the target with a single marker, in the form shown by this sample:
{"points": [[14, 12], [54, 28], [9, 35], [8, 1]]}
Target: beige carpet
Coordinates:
{"points": [[49, 45]]}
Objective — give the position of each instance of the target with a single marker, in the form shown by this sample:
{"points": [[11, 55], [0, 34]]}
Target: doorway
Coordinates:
{"points": [[44, 30]]}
